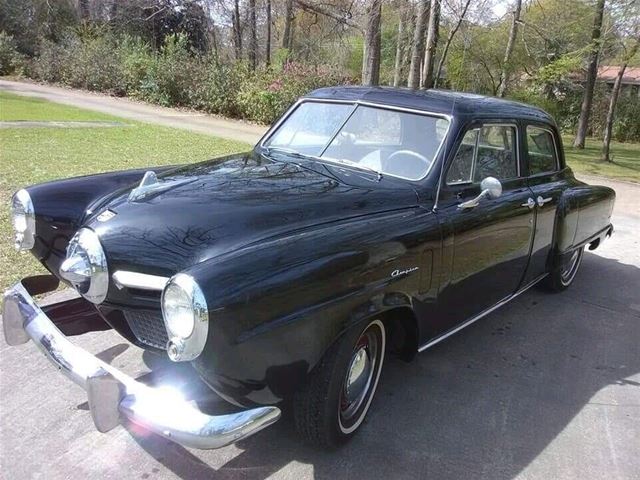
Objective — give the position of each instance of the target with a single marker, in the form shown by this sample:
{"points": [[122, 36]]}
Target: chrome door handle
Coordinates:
{"points": [[530, 203], [542, 201]]}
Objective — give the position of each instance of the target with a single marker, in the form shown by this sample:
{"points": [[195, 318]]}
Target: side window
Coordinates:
{"points": [[496, 153], [541, 151], [489, 151], [462, 165]]}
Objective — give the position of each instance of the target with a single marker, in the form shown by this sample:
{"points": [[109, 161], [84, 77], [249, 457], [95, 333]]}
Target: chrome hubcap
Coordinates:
{"points": [[357, 382], [359, 373]]}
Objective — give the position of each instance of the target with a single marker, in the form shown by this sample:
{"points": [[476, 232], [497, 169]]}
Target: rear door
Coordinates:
{"points": [[487, 246], [541, 148]]}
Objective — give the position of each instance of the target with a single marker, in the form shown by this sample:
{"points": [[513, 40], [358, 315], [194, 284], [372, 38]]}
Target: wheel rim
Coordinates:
{"points": [[362, 376], [571, 267]]}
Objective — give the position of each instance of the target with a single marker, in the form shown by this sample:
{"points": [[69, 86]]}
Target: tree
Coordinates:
{"points": [[267, 53], [506, 67], [432, 45], [417, 48], [592, 72], [289, 16], [614, 99], [397, 66], [371, 57], [253, 39], [237, 30], [447, 44]]}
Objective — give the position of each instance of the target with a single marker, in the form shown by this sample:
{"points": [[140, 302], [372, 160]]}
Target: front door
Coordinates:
{"points": [[547, 184], [487, 246]]}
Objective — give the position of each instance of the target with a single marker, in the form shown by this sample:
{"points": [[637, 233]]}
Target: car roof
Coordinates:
{"points": [[445, 102]]}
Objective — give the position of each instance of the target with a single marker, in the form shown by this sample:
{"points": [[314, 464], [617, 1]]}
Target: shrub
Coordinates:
{"points": [[266, 94], [172, 75], [136, 62], [626, 126], [217, 90], [10, 60]]}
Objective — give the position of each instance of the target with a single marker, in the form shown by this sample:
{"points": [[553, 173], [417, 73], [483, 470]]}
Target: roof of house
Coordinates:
{"points": [[435, 101], [608, 73]]}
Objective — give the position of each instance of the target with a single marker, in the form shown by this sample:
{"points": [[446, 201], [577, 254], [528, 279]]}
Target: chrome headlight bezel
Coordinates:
{"points": [[23, 219], [186, 342], [86, 266]]}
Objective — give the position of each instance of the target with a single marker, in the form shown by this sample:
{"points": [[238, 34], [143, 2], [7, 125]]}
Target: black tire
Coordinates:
{"points": [[563, 271], [323, 413]]}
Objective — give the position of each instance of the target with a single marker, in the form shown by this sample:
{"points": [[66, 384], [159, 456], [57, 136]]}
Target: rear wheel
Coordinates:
{"points": [[338, 394], [564, 271]]}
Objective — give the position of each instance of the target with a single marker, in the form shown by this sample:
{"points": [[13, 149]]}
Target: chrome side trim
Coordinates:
{"points": [[111, 393], [486, 312], [140, 281]]}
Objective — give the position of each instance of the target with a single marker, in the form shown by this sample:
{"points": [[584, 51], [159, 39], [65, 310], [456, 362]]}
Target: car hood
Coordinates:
{"points": [[203, 210]]}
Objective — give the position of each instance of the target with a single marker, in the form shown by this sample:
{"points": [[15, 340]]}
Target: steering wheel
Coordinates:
{"points": [[406, 167]]}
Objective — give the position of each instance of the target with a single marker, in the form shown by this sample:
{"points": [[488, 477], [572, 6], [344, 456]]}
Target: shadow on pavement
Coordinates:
{"points": [[484, 403]]}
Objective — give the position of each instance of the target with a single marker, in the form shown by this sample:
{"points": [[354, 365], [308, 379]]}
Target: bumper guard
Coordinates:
{"points": [[111, 393]]}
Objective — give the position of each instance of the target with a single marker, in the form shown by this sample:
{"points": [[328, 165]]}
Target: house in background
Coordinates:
{"points": [[630, 81]]}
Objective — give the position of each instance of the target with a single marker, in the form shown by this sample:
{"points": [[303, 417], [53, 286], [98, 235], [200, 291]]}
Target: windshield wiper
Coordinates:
{"points": [[335, 161], [351, 163]]}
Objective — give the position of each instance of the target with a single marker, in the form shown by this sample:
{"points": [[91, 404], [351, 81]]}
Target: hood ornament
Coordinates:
{"points": [[150, 185]]}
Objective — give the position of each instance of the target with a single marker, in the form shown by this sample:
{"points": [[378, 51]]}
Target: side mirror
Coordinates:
{"points": [[490, 188]]}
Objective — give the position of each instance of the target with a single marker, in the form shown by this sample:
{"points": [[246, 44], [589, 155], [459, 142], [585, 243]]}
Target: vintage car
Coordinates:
{"points": [[366, 222]]}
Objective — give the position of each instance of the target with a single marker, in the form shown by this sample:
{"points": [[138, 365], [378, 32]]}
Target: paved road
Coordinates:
{"points": [[546, 387], [123, 107]]}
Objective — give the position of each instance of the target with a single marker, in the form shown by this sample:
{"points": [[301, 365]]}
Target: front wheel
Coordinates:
{"points": [[338, 393], [564, 271]]}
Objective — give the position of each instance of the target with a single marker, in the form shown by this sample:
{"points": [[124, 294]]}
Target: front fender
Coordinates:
{"points": [[61, 207], [275, 308]]}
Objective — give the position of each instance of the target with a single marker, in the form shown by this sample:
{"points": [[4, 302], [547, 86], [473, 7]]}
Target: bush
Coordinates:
{"points": [[10, 59], [176, 75], [217, 92], [626, 126], [91, 63], [267, 94], [173, 74]]}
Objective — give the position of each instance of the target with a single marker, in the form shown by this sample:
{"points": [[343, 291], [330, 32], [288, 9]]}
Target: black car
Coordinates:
{"points": [[366, 222]]}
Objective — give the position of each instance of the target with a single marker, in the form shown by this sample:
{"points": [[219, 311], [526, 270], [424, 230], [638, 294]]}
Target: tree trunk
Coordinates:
{"points": [[83, 9], [448, 44], [267, 53], [371, 57], [253, 39], [287, 38], [503, 83], [614, 100], [432, 45], [397, 67], [592, 72], [237, 32], [417, 48]]}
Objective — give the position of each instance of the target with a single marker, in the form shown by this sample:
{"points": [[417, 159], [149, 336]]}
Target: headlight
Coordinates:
{"points": [[86, 266], [24, 220], [186, 318]]}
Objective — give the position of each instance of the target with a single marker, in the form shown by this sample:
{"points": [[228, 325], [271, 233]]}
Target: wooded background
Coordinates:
{"points": [[252, 58]]}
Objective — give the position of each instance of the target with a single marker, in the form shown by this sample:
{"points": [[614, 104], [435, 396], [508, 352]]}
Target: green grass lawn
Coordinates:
{"points": [[34, 155], [625, 165]]}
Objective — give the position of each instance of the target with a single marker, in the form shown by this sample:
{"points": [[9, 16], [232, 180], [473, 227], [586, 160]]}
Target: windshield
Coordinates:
{"points": [[397, 143]]}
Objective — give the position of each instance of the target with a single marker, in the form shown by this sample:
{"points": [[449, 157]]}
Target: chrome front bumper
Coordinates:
{"points": [[113, 395]]}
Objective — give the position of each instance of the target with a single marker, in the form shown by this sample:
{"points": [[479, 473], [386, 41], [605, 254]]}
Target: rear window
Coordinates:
{"points": [[541, 151]]}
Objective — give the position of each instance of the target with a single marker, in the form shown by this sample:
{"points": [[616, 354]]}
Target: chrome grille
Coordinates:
{"points": [[148, 327]]}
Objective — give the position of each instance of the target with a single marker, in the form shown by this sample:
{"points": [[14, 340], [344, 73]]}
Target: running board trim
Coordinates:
{"points": [[486, 312]]}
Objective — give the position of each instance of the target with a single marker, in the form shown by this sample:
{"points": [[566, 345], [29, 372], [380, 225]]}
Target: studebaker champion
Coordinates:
{"points": [[366, 222]]}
